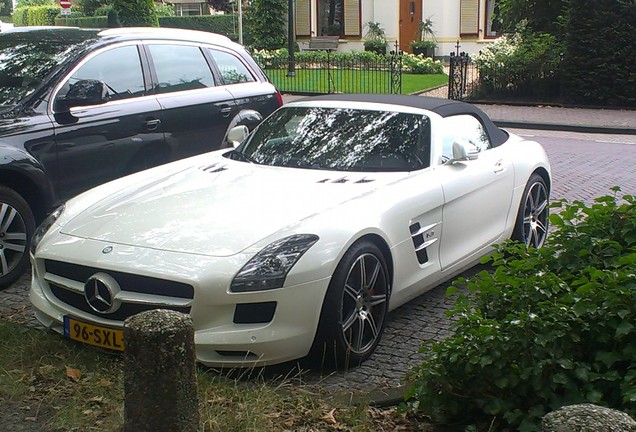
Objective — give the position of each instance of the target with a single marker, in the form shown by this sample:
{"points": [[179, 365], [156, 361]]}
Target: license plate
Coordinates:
{"points": [[99, 336]]}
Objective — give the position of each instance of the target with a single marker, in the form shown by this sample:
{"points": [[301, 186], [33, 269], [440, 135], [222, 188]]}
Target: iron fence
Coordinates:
{"points": [[326, 72], [469, 81]]}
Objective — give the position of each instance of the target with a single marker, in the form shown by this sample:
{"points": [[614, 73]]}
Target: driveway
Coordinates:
{"points": [[584, 166]]}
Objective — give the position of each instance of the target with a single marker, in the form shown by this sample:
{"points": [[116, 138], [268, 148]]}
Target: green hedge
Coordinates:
{"points": [[83, 22], [6, 19], [35, 15], [223, 24]]}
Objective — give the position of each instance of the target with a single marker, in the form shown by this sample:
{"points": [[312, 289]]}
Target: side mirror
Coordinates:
{"points": [[237, 135], [464, 151], [83, 93]]}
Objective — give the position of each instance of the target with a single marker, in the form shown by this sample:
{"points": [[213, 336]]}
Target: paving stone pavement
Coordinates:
{"points": [[582, 169]]}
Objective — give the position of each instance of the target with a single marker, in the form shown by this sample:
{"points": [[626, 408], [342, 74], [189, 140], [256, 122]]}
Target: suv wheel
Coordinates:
{"points": [[16, 228]]}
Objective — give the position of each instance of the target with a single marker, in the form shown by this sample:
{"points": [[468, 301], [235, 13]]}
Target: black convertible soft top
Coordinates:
{"points": [[443, 107]]}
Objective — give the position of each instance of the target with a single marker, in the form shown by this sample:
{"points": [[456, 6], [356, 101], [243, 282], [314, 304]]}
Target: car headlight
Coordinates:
{"points": [[269, 268], [44, 227]]}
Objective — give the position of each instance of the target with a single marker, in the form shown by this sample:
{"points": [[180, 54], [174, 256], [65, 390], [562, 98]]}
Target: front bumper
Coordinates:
{"points": [[231, 329]]}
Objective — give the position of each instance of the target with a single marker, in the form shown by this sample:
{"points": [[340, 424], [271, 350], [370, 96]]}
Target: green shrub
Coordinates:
{"points": [[521, 63], [94, 22], [222, 24], [90, 7], [308, 59], [103, 10], [599, 62], [541, 329], [419, 64], [164, 9], [136, 13], [43, 15], [266, 24]]}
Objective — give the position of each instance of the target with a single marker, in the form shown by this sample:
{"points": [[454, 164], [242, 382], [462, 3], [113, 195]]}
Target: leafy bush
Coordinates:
{"points": [[136, 13], [266, 24], [600, 66], [164, 10], [222, 24], [82, 21], [419, 64], [308, 59], [90, 7], [543, 328], [103, 10], [43, 15], [520, 64]]}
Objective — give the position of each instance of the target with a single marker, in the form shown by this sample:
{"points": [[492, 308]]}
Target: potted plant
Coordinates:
{"points": [[424, 42], [375, 38]]}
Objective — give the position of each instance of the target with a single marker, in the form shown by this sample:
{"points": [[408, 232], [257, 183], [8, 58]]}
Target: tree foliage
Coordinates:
{"points": [[541, 15], [220, 5], [136, 13], [543, 328], [266, 24], [599, 62]]}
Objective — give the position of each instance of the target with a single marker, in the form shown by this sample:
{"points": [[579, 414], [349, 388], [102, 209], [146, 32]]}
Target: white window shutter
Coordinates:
{"points": [[352, 18], [303, 18], [469, 18]]}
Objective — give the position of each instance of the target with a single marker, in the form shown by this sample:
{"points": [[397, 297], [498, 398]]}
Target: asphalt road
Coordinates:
{"points": [[584, 166]]}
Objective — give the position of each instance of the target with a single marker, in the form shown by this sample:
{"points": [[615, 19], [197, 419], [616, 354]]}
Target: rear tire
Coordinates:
{"points": [[355, 309], [531, 227], [16, 228]]}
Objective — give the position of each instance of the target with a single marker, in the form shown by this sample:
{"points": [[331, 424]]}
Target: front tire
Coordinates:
{"points": [[531, 227], [16, 228], [354, 310]]}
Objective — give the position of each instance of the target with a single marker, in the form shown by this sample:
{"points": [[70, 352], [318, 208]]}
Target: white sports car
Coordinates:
{"points": [[299, 241]]}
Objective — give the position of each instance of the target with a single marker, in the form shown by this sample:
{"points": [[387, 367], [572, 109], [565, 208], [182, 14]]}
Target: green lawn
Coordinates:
{"points": [[350, 81]]}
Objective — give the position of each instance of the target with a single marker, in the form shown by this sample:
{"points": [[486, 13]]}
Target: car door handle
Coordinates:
{"points": [[499, 167], [152, 124], [226, 111]]}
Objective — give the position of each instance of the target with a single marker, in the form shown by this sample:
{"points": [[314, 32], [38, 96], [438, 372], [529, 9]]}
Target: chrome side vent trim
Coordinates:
{"points": [[422, 238]]}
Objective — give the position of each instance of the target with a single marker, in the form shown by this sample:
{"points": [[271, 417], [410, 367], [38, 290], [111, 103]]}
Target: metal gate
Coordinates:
{"points": [[458, 76]]}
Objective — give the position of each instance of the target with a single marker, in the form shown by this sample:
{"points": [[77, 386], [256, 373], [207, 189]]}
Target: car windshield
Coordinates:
{"points": [[28, 57], [342, 139]]}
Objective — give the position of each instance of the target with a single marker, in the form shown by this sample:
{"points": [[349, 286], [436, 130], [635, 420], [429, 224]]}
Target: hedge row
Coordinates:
{"points": [[223, 24], [6, 19], [84, 22], [36, 15]]}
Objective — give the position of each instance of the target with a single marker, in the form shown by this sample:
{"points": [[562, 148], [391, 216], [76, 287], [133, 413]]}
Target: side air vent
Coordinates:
{"points": [[422, 239], [214, 168]]}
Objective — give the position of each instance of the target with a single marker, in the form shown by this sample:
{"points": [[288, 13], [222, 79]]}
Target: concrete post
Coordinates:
{"points": [[159, 373]]}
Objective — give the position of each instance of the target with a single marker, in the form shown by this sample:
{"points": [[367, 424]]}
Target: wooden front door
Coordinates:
{"points": [[410, 18]]}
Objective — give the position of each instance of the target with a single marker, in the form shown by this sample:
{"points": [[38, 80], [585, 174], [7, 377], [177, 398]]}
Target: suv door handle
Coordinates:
{"points": [[226, 111], [152, 124]]}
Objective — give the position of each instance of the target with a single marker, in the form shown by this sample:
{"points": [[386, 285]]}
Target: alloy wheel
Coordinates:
{"points": [[364, 303], [535, 215], [13, 238]]}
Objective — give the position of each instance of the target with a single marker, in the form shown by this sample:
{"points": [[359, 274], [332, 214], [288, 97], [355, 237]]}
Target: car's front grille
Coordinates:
{"points": [[138, 293]]}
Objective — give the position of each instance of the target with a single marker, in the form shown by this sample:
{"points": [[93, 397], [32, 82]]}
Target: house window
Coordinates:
{"points": [[331, 17], [182, 9], [339, 18], [491, 23]]}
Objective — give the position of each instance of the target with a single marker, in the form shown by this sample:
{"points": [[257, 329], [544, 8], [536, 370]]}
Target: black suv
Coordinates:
{"points": [[81, 107]]}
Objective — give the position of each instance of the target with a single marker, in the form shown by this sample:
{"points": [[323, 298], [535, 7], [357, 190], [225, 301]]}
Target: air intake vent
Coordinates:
{"points": [[214, 168], [422, 238], [345, 180]]}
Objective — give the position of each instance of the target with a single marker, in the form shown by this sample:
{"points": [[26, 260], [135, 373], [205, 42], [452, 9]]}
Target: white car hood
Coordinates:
{"points": [[218, 208]]}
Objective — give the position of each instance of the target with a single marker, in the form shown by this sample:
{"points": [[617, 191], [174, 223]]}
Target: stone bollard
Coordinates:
{"points": [[160, 387], [587, 418]]}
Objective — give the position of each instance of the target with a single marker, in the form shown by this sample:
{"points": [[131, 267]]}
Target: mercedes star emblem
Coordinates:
{"points": [[100, 291]]}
